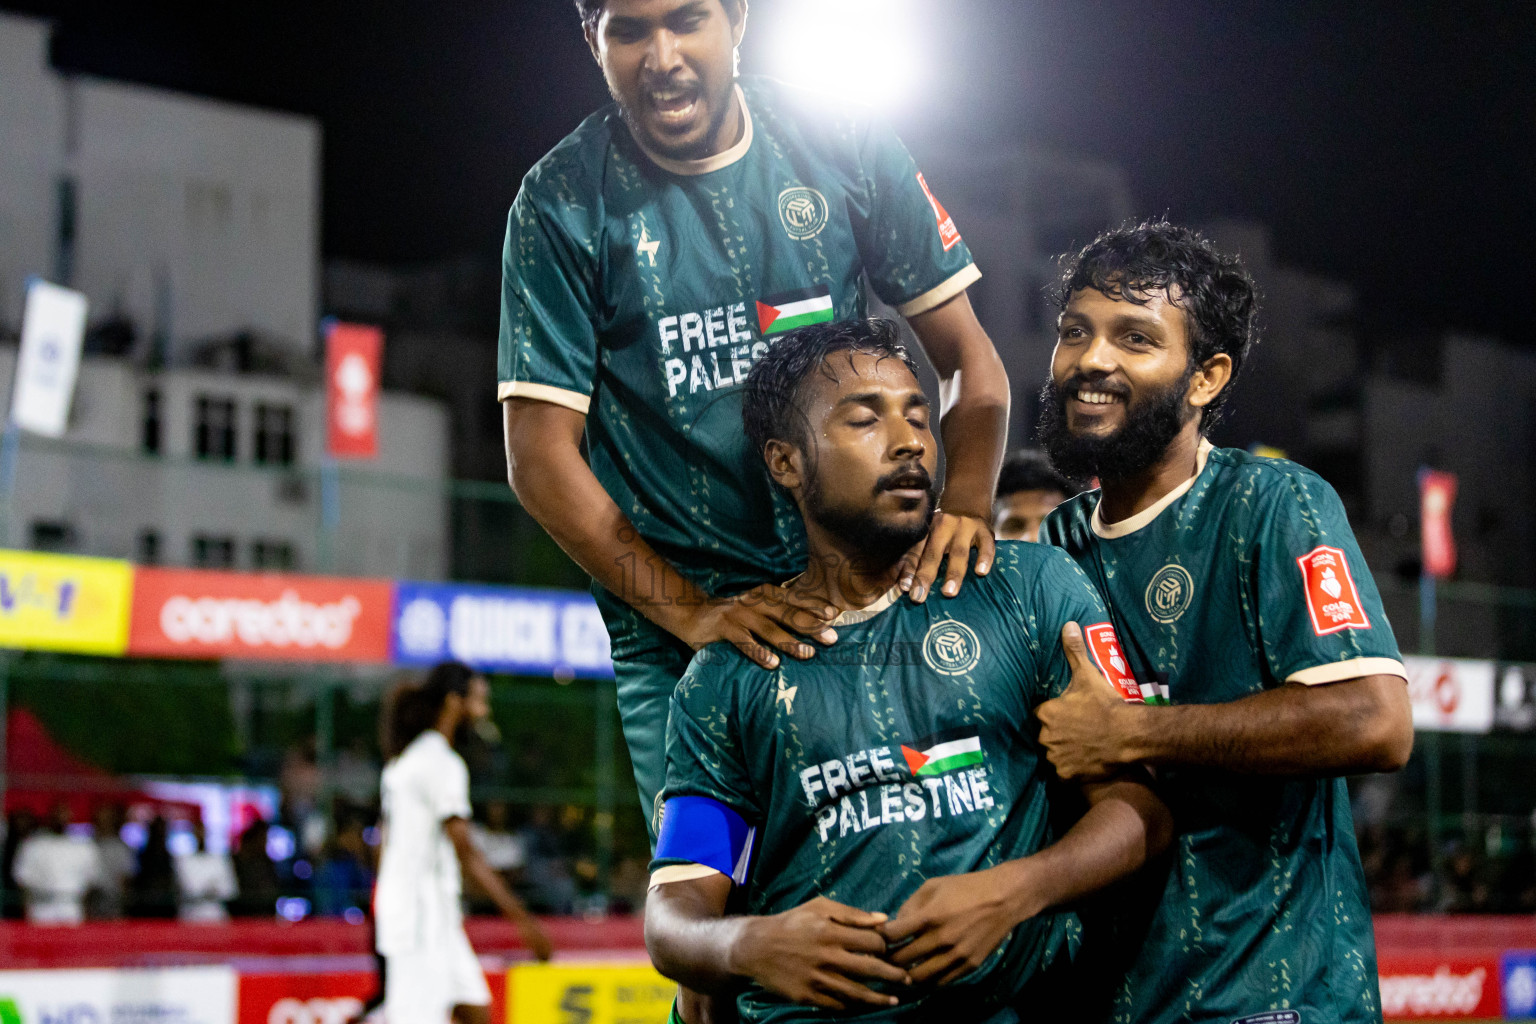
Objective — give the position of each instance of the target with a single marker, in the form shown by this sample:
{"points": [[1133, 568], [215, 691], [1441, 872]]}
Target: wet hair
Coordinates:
{"points": [[770, 408], [1030, 469], [412, 708], [591, 10], [1216, 292]]}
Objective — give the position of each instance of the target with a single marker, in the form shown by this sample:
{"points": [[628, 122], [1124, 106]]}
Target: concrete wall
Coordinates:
{"points": [[193, 218]]}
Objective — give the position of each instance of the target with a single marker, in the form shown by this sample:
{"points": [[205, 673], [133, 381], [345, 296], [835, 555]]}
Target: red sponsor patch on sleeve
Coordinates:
{"points": [[1108, 654], [948, 233], [1332, 600]]}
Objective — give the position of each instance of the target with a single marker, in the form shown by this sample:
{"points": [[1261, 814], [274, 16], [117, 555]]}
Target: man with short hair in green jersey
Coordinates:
{"points": [[883, 808], [1255, 632], [651, 258]]}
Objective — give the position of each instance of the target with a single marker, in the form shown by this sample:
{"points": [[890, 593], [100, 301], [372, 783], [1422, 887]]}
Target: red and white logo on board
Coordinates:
{"points": [[353, 354], [948, 233], [1109, 655], [1332, 600]]}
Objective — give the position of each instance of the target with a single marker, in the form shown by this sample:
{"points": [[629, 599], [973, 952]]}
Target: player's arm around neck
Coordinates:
{"points": [[973, 421], [814, 954], [952, 924], [557, 487], [1343, 728]]}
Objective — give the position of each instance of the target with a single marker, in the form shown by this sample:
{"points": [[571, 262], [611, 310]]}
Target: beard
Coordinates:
{"points": [[1149, 428], [879, 543], [719, 106]]}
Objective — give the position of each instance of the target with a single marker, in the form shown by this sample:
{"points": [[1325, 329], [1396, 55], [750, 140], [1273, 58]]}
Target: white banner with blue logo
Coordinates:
{"points": [[518, 630]]}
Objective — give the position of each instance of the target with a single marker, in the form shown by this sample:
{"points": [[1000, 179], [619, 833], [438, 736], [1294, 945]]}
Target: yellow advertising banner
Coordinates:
{"points": [[64, 603], [591, 993]]}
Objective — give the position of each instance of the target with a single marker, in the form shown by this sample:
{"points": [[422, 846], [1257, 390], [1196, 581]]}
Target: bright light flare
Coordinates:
{"points": [[863, 50]]}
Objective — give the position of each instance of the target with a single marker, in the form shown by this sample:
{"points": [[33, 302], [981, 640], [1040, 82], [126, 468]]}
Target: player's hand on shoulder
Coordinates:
{"points": [[819, 953], [764, 623], [1083, 729], [953, 535], [952, 924]]}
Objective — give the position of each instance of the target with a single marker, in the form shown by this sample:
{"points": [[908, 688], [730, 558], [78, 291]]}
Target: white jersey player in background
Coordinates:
{"points": [[431, 973]]}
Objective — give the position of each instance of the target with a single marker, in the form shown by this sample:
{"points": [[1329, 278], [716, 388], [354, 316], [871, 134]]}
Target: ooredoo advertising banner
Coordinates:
{"points": [[175, 995], [188, 613], [353, 353], [1427, 986], [332, 997], [1450, 694], [63, 603]]}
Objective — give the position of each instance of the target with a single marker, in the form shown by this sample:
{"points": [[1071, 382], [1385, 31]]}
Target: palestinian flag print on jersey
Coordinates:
{"points": [[944, 752], [789, 310]]}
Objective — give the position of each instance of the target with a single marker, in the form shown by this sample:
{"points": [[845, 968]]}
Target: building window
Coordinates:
{"points": [[210, 552], [149, 547], [151, 436], [272, 556], [50, 535], [274, 435], [215, 429]]}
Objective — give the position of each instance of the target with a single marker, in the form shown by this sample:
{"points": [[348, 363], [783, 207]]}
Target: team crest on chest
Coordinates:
{"points": [[1170, 592], [803, 212], [951, 648]]}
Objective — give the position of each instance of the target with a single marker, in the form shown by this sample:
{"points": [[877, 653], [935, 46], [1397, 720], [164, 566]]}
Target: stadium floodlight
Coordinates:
{"points": [[864, 50]]}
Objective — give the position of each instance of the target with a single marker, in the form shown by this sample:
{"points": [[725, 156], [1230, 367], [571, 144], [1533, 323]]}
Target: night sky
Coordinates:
{"points": [[1387, 144]]}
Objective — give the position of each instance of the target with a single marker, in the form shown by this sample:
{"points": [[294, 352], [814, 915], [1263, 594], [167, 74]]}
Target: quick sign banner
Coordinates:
{"points": [[184, 613], [594, 993], [1451, 694], [501, 629], [177, 995], [64, 603], [52, 329], [353, 355]]}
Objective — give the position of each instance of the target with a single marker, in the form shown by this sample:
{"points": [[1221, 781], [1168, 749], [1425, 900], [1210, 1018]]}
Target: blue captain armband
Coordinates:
{"points": [[699, 830]]}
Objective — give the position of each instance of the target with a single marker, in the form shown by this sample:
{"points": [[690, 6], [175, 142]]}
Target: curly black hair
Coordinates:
{"points": [[1030, 469], [1215, 291], [591, 10], [770, 409]]}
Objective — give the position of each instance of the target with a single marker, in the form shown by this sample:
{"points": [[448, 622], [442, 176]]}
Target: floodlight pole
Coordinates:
{"points": [[10, 451], [1434, 776]]}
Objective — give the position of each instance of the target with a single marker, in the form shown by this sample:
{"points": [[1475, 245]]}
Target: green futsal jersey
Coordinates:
{"points": [[640, 290], [1243, 579], [906, 751]]}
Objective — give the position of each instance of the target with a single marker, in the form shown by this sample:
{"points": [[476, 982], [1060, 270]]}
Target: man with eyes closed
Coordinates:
{"points": [[881, 815]]}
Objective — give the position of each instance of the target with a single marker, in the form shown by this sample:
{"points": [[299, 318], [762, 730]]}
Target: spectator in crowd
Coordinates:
{"points": [[21, 824], [355, 772], [1028, 487], [503, 848], [153, 892], [550, 889], [255, 874], [345, 877], [107, 900], [205, 881], [55, 870]]}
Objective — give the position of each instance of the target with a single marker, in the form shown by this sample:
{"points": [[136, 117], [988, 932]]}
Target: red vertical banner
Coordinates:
{"points": [[1437, 495], [353, 354]]}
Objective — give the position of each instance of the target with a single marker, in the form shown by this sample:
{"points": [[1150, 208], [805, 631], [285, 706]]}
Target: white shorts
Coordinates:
{"points": [[423, 986]]}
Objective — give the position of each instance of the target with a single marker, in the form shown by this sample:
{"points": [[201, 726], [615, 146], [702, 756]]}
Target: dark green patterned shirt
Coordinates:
{"points": [[906, 751], [640, 291], [1244, 579]]}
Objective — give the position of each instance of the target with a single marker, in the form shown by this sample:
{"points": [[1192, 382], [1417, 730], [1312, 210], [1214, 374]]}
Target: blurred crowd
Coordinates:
{"points": [[314, 857], [1486, 870]]}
